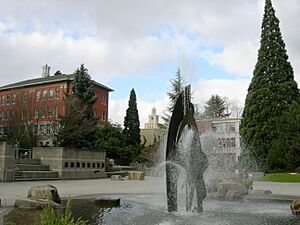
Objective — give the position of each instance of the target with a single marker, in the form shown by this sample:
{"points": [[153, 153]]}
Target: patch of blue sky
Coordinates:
{"points": [[149, 86], [205, 70], [8, 28]]}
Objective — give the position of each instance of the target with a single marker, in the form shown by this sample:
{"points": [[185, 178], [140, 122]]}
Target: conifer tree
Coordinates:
{"points": [[177, 86], [215, 108], [79, 127], [270, 94], [82, 88], [132, 123]]}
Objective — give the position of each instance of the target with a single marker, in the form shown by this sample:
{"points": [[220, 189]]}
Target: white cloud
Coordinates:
{"points": [[117, 110], [130, 37], [238, 58], [233, 89]]}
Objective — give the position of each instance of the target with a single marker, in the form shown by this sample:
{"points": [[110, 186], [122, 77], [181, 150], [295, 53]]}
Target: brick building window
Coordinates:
{"points": [[103, 116], [42, 113], [38, 95], [36, 113], [7, 100], [4, 115], [1, 115], [2, 100], [56, 93], [44, 94], [55, 111], [13, 99], [50, 94], [103, 100], [49, 112]]}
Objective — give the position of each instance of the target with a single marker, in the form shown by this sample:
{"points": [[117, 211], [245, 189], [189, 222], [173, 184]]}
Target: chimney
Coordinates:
{"points": [[46, 71]]}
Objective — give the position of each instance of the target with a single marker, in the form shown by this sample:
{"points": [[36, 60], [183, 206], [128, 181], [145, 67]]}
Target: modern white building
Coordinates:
{"points": [[221, 139]]}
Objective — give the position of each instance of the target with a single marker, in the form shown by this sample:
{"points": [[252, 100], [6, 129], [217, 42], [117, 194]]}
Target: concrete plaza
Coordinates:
{"points": [[9, 192]]}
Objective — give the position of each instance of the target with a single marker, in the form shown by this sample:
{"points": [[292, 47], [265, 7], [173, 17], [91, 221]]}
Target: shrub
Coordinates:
{"points": [[51, 217]]}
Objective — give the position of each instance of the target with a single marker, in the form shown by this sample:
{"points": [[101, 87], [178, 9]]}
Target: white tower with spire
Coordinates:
{"points": [[153, 120]]}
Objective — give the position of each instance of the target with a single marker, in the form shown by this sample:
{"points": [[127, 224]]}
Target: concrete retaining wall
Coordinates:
{"points": [[6, 162], [72, 163]]}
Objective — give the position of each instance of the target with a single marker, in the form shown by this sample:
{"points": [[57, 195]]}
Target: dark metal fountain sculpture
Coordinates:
{"points": [[194, 163]]}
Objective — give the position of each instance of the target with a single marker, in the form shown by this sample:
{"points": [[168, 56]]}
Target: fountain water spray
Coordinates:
{"points": [[187, 154]]}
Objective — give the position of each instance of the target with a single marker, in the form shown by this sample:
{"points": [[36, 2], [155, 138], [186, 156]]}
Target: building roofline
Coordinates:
{"points": [[45, 80]]}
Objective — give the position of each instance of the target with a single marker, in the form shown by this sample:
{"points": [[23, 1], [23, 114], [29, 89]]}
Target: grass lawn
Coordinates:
{"points": [[281, 177]]}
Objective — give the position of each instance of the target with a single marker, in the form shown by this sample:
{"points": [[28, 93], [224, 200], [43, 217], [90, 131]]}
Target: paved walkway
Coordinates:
{"points": [[9, 192]]}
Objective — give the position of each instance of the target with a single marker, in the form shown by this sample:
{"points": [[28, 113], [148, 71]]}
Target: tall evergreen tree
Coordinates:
{"points": [[76, 131], [215, 108], [132, 122], [270, 94], [79, 127], [177, 86], [82, 88]]}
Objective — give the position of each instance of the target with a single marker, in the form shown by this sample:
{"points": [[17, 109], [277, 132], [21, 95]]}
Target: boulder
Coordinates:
{"points": [[132, 175], [259, 192], [34, 204], [116, 177], [224, 187], [233, 195], [295, 207], [107, 202], [43, 192]]}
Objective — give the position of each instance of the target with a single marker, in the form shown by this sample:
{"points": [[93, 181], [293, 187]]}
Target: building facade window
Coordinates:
{"points": [[224, 127], [55, 111], [50, 94], [13, 99], [226, 142], [36, 113], [56, 93], [7, 100], [49, 112], [1, 116], [103, 101], [2, 100], [44, 94], [103, 116], [38, 95]]}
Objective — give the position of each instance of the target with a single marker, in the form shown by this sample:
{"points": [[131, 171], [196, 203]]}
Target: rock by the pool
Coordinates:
{"points": [[295, 207], [116, 177], [133, 175], [43, 192], [233, 195], [259, 192], [34, 204], [237, 191]]}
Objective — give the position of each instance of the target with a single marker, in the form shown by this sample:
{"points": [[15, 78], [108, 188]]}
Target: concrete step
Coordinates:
{"points": [[28, 161], [36, 174], [31, 167]]}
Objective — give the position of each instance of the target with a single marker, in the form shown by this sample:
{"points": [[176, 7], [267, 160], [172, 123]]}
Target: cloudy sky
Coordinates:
{"points": [[140, 44]]}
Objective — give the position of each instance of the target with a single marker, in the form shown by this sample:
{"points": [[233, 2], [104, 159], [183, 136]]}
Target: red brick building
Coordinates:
{"points": [[41, 100]]}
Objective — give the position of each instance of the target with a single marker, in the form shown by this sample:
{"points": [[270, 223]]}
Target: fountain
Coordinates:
{"points": [[186, 158], [189, 155]]}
